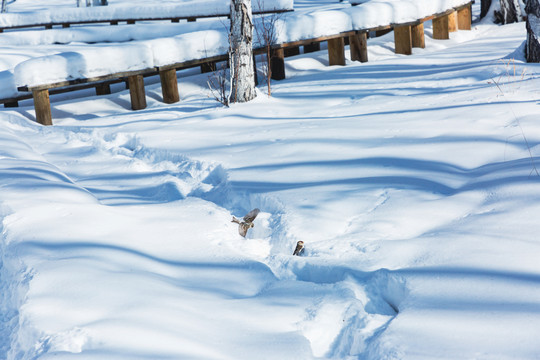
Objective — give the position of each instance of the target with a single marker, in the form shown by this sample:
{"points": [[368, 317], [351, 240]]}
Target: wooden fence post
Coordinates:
{"points": [[358, 47], [292, 51], [314, 46], [169, 86], [11, 104], [208, 67], [403, 39], [136, 92], [417, 35], [42, 105], [103, 89], [440, 28], [382, 32], [464, 18], [336, 51], [277, 64], [452, 22]]}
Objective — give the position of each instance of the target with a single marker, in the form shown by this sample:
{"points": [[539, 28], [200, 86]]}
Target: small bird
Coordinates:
{"points": [[299, 248], [247, 223]]}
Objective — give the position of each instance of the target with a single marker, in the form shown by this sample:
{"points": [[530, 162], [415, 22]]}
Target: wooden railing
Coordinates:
{"points": [[406, 36]]}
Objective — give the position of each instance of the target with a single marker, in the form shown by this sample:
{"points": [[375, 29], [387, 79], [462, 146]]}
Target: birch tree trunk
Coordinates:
{"points": [[533, 31], [241, 52], [510, 12]]}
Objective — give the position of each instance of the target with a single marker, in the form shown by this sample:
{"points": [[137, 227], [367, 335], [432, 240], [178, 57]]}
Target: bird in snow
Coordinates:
{"points": [[247, 222], [299, 248]]}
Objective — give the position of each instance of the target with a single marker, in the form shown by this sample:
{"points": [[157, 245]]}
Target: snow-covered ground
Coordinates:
{"points": [[412, 180]]}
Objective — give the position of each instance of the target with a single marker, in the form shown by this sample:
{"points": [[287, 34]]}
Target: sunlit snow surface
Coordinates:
{"points": [[412, 181]]}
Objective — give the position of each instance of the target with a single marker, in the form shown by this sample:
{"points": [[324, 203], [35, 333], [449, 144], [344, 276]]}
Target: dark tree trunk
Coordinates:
{"points": [[533, 7], [484, 7], [510, 12], [533, 30]]}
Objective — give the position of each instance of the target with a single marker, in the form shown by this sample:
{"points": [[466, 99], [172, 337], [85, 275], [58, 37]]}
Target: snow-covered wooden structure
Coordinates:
{"points": [[166, 56], [191, 11]]}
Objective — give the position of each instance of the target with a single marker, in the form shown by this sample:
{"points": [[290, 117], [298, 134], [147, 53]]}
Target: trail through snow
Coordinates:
{"points": [[408, 178]]}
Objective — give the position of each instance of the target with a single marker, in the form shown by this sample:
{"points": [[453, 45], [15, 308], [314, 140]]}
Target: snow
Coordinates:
{"points": [[412, 181], [127, 10]]}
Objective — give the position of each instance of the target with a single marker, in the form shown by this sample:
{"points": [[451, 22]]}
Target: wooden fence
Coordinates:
{"points": [[406, 36]]}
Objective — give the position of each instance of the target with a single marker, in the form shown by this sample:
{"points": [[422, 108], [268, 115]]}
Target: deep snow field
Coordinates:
{"points": [[413, 181]]}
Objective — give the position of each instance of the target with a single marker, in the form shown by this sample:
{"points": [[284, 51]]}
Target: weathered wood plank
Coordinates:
{"points": [[196, 62], [382, 32], [440, 28], [309, 41], [169, 86], [42, 105], [417, 35], [11, 104], [464, 18], [60, 84], [452, 22], [292, 51], [208, 67], [336, 51], [136, 92], [403, 40], [277, 64], [312, 47], [103, 89], [358, 47]]}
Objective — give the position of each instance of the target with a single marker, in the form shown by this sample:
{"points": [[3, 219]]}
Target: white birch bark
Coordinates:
{"points": [[510, 11], [241, 52]]}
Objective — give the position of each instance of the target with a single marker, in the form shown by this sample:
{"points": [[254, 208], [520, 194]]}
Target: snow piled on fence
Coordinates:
{"points": [[93, 62], [193, 8]]}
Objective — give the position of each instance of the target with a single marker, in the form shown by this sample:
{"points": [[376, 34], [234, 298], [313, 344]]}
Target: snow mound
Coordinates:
{"points": [[198, 8]]}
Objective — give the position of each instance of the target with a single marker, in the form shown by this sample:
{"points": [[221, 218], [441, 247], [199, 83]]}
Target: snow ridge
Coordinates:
{"points": [[364, 304], [134, 173], [14, 278]]}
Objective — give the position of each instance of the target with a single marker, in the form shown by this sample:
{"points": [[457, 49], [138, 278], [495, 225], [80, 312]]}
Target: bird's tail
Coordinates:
{"points": [[235, 220]]}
